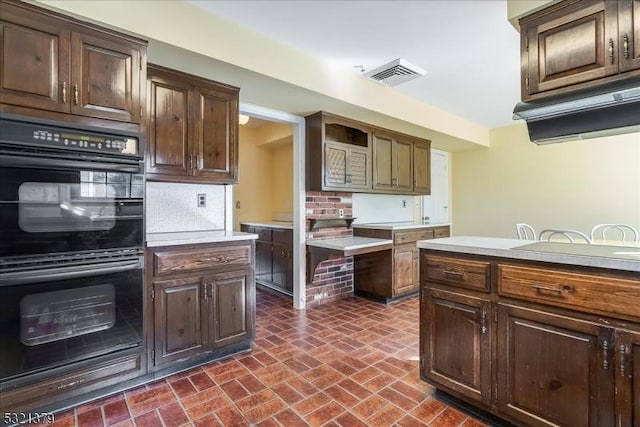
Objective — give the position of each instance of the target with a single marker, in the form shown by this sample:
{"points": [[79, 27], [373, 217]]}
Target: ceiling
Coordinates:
{"points": [[468, 48]]}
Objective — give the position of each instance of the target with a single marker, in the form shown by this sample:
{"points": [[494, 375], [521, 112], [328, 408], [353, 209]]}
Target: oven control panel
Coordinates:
{"points": [[32, 134]]}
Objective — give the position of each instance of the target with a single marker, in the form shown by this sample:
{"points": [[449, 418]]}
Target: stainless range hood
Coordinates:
{"points": [[608, 110]]}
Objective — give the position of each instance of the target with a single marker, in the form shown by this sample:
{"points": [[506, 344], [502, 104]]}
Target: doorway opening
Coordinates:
{"points": [[269, 197]]}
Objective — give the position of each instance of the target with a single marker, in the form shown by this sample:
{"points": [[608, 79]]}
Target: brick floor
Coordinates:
{"points": [[349, 363]]}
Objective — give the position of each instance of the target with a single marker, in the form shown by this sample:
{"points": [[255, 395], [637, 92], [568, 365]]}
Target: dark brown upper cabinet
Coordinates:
{"points": [[577, 44], [52, 64], [192, 131], [346, 155]]}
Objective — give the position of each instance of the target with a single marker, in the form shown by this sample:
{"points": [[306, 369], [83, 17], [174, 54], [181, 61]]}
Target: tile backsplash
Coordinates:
{"points": [[174, 207]]}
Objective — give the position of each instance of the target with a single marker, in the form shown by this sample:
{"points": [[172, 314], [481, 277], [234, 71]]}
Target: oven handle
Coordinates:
{"points": [[54, 163], [64, 273]]}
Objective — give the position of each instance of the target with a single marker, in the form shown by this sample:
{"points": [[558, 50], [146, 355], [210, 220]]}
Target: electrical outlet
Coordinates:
{"points": [[340, 213], [238, 204], [202, 200]]}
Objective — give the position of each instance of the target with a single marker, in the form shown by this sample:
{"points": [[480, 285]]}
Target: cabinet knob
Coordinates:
{"points": [[605, 354]]}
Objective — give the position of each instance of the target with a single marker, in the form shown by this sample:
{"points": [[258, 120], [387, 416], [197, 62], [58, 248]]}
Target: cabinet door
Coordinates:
{"points": [[421, 168], [279, 274], [382, 163], [629, 29], [627, 374], [405, 269], [554, 370], [458, 344], [358, 168], [179, 319], [106, 77], [402, 166], [231, 305], [335, 165], [35, 60], [215, 135], [572, 45], [168, 132]]}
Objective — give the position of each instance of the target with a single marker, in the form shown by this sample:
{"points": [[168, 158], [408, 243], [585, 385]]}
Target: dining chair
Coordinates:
{"points": [[525, 232], [626, 233], [549, 233]]}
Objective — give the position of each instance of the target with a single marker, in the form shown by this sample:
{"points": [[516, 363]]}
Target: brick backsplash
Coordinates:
{"points": [[333, 279]]}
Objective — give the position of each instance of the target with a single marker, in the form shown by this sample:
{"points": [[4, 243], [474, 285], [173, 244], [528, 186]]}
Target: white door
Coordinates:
{"points": [[436, 206]]}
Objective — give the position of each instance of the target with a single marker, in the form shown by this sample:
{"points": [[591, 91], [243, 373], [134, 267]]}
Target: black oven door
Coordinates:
{"points": [[56, 315], [52, 204]]}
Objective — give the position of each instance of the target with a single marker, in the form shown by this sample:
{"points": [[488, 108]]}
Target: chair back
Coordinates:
{"points": [[568, 234], [624, 232], [525, 232]]}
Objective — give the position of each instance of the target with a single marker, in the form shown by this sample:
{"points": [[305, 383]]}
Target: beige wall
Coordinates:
{"points": [[572, 185], [265, 184], [282, 177], [253, 190]]}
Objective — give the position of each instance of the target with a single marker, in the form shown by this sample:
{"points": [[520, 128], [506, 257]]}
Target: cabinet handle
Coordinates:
{"points": [[205, 287], [347, 178], [526, 82], [623, 350], [70, 384], [605, 354], [64, 92], [611, 56], [454, 273], [560, 290], [625, 45], [484, 322], [76, 95], [210, 290], [197, 161], [394, 182]]}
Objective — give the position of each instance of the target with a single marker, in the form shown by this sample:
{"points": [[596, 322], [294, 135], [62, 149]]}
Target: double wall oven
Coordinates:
{"points": [[71, 245]]}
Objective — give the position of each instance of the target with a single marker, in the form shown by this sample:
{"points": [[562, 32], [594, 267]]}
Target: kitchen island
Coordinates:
{"points": [[537, 333]]}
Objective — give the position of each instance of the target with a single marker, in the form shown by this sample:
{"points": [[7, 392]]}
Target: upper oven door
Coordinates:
{"points": [[51, 203]]}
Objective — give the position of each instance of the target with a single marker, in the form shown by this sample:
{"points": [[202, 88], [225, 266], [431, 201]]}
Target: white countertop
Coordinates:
{"points": [[270, 224], [349, 243], [600, 256], [404, 225], [193, 237]]}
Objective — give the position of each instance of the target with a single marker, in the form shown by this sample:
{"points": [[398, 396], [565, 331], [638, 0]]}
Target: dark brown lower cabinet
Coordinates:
{"points": [[274, 257], [538, 344], [458, 346], [203, 299], [554, 370]]}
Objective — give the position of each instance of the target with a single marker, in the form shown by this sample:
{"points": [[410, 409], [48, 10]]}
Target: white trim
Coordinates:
{"points": [[299, 195]]}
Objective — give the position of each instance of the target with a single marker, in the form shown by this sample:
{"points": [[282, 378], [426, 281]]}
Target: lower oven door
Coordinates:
{"points": [[54, 316]]}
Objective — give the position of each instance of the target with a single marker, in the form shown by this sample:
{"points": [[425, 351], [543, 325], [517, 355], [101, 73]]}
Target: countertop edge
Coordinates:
{"points": [[267, 224], [396, 226], [195, 240], [509, 252]]}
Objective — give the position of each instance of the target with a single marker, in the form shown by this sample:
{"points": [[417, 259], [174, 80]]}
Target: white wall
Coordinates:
{"points": [[568, 185], [173, 207], [382, 208]]}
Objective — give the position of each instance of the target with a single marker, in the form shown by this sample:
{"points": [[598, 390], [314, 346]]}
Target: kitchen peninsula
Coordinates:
{"points": [[519, 328]]}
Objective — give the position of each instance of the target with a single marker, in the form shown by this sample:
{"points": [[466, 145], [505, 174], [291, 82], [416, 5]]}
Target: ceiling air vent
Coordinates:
{"points": [[395, 72]]}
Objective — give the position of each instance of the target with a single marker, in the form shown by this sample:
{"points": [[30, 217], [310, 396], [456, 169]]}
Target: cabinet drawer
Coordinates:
{"points": [[263, 233], [462, 273], [166, 262], [440, 232], [283, 236], [581, 292], [412, 236], [101, 375]]}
